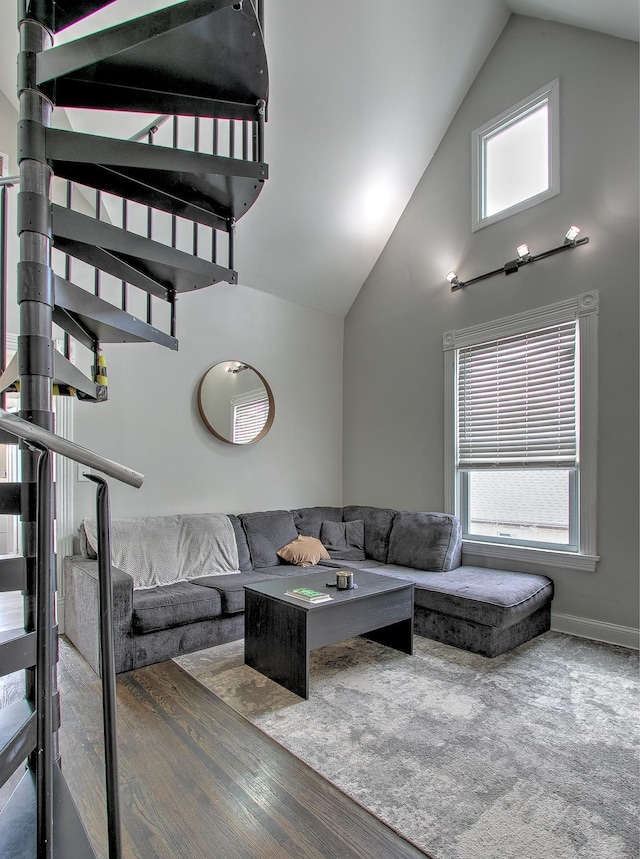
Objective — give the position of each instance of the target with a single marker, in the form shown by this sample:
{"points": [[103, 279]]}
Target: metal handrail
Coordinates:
{"points": [[9, 181], [41, 437], [45, 442], [109, 714]]}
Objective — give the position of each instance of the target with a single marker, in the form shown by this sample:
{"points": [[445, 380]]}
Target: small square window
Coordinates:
{"points": [[515, 158]]}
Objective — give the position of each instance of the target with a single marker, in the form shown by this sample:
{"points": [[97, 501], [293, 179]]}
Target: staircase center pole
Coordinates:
{"points": [[35, 362]]}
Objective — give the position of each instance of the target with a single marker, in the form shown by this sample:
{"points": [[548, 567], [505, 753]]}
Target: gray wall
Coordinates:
{"points": [[151, 421], [393, 377]]}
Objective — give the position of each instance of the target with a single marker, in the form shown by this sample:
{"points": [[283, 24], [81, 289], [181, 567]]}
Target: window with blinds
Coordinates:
{"points": [[517, 401], [249, 413], [517, 437], [520, 440]]}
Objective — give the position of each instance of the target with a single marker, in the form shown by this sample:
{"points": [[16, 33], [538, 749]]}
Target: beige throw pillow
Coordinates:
{"points": [[303, 551]]}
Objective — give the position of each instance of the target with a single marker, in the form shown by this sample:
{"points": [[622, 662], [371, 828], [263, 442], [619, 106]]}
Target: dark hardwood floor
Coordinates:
{"points": [[198, 781]]}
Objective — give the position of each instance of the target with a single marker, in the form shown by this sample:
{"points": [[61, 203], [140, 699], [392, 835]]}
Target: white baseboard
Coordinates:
{"points": [[612, 633]]}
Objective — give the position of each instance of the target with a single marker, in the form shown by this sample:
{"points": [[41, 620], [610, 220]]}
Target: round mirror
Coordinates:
{"points": [[236, 403]]}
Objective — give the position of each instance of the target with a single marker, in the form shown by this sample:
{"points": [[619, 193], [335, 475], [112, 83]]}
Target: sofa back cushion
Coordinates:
{"points": [[344, 540], [266, 533], [162, 550], [308, 520], [377, 528], [244, 555], [426, 541]]}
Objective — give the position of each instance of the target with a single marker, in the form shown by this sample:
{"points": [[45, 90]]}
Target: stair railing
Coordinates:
{"points": [[233, 138], [45, 442]]}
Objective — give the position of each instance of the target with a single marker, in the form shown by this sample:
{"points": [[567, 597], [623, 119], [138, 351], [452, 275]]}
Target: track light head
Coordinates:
{"points": [[572, 234]]}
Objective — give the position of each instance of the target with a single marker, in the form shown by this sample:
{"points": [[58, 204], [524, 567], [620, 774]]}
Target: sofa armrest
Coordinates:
{"points": [[82, 612]]}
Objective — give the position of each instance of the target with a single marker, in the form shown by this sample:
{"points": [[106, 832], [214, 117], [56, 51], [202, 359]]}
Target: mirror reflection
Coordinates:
{"points": [[235, 402]]}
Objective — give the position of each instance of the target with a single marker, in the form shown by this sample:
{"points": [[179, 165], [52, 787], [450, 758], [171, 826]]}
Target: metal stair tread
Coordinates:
{"points": [[17, 650], [208, 189], [17, 737], [13, 573], [201, 57], [67, 12], [18, 822], [64, 373], [84, 237], [104, 321], [10, 496]]}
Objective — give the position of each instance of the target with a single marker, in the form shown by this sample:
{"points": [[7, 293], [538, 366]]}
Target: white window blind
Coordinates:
{"points": [[517, 401], [250, 413]]}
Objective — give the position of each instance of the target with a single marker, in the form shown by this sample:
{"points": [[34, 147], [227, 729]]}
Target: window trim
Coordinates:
{"points": [[585, 309], [550, 94]]}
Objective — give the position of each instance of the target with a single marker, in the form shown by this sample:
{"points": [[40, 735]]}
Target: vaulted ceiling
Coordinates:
{"points": [[361, 93]]}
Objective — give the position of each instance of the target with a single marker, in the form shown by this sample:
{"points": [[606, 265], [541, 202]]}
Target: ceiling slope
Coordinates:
{"points": [[361, 94]]}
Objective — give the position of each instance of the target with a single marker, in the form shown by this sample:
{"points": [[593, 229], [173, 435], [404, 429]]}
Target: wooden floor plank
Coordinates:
{"points": [[198, 781]]}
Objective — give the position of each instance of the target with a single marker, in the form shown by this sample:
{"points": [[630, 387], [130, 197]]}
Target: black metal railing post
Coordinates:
{"points": [[45, 661], [108, 672]]}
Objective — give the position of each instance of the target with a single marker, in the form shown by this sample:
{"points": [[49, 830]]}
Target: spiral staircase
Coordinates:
{"points": [[199, 70]]}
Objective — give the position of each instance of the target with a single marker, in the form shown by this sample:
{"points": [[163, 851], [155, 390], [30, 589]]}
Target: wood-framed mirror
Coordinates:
{"points": [[236, 403]]}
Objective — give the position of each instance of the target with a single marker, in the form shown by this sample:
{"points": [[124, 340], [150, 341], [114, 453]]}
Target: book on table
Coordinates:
{"points": [[309, 595]]}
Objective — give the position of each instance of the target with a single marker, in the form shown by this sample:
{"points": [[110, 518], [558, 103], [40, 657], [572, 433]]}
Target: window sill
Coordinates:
{"points": [[544, 560]]}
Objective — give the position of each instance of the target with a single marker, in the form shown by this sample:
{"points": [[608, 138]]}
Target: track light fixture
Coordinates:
{"points": [[524, 257], [453, 279]]}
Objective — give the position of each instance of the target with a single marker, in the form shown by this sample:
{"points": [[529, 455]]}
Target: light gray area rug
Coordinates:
{"points": [[532, 755]]}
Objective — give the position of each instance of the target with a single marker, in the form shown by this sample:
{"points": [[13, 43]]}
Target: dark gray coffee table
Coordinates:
{"points": [[280, 631]]}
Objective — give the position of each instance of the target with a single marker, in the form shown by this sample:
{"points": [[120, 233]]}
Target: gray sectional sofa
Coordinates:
{"points": [[482, 610]]}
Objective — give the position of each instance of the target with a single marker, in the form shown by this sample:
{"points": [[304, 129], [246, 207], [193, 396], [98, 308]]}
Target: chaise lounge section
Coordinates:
{"points": [[201, 603]]}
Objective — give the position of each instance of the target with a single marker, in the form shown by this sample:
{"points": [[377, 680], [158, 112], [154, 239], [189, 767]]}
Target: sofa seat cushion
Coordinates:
{"points": [[368, 565], [425, 541], [495, 598], [377, 528], [284, 570], [231, 588], [266, 533], [174, 605]]}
